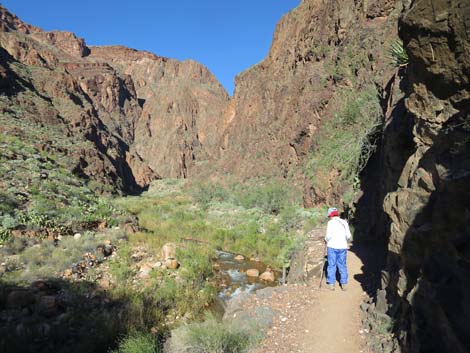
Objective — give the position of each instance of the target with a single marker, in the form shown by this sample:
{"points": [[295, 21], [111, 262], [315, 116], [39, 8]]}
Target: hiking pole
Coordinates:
{"points": [[323, 267]]}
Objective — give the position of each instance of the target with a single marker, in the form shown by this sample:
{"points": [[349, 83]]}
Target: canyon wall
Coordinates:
{"points": [[182, 105], [425, 174], [321, 52], [133, 116]]}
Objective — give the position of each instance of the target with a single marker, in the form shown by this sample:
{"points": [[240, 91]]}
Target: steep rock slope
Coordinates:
{"points": [[57, 87], [182, 105], [146, 116], [425, 182], [322, 51]]}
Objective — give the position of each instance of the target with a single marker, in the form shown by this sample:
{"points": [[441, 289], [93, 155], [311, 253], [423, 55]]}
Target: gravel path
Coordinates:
{"points": [[314, 320]]}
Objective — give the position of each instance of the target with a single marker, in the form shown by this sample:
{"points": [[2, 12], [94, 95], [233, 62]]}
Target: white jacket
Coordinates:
{"points": [[337, 233]]}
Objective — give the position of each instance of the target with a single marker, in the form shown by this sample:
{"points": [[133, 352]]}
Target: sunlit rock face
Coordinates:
{"points": [[138, 116], [319, 50], [182, 107]]}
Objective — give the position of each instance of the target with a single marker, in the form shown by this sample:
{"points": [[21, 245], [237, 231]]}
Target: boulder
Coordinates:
{"points": [[267, 275], [20, 298], [168, 251], [252, 272], [108, 250], [172, 264], [77, 236], [144, 271], [105, 284], [48, 305]]}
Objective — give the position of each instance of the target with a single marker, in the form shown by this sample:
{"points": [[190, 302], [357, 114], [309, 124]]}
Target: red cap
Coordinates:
{"points": [[334, 214]]}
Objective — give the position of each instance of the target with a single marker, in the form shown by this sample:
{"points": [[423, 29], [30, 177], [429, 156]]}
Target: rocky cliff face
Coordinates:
{"points": [[321, 50], [94, 107], [425, 176], [182, 105], [146, 116]]}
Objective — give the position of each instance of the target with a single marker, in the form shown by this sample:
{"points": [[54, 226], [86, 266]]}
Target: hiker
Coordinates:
{"points": [[337, 237]]}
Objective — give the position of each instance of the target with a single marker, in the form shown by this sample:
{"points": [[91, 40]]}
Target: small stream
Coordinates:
{"points": [[232, 279]]}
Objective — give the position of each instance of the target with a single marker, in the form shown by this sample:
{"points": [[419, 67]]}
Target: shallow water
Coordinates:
{"points": [[232, 278]]}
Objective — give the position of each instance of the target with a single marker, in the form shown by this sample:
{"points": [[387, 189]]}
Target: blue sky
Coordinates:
{"points": [[227, 36]]}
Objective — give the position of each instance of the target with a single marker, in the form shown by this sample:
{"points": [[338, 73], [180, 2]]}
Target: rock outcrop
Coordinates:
{"points": [[182, 106], [48, 81], [320, 50], [425, 173], [145, 116]]}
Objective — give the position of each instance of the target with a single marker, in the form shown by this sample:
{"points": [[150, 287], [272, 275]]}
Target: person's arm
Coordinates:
{"points": [[329, 234], [348, 231]]}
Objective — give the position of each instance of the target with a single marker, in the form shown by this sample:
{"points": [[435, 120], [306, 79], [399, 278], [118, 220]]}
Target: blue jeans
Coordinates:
{"points": [[336, 258]]}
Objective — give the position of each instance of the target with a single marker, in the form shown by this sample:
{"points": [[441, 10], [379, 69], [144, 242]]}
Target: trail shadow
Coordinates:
{"points": [[373, 258]]}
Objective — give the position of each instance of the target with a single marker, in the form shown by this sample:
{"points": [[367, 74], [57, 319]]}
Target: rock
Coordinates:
{"points": [[20, 330], [44, 175], [20, 298], [171, 264], [252, 272], [45, 329], [105, 284], [68, 272], [144, 271], [157, 264], [102, 225], [108, 250], [268, 276], [364, 306], [130, 228], [381, 302], [77, 236], [40, 285], [239, 258], [48, 305], [168, 251]]}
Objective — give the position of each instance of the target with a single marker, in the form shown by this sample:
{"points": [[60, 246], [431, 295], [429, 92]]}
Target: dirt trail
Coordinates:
{"points": [[314, 320], [334, 324]]}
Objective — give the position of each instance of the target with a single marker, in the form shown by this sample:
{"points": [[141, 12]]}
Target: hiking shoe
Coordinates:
{"points": [[344, 287], [330, 286]]}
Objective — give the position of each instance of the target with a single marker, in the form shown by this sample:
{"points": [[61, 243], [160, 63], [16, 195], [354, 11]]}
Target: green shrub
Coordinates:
{"points": [[269, 196], [205, 193], [397, 54], [212, 336], [8, 203], [137, 342], [348, 139]]}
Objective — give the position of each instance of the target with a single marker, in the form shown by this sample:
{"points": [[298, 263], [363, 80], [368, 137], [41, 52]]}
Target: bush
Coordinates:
{"points": [[211, 336], [346, 141], [205, 193], [137, 342], [397, 54]]}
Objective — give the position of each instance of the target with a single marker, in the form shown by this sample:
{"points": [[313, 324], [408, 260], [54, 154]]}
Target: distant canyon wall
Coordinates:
{"points": [[146, 116]]}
